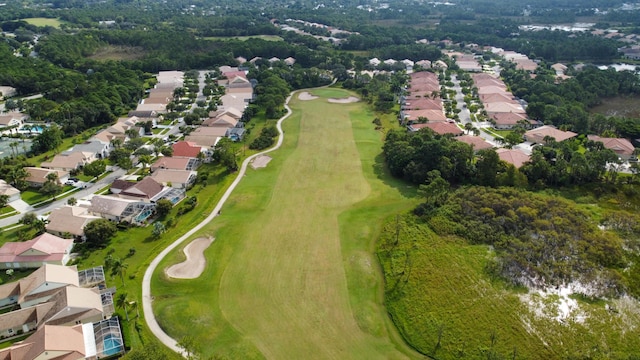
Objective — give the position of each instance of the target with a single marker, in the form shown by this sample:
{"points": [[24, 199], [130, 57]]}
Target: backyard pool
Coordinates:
{"points": [[143, 216], [112, 345]]}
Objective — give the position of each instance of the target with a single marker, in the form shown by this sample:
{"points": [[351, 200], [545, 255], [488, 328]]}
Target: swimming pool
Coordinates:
{"points": [[143, 216], [112, 345]]}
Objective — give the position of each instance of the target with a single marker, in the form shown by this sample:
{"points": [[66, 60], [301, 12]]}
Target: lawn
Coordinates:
{"points": [[44, 22], [292, 272]]}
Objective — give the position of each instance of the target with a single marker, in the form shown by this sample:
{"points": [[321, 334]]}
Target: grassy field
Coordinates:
{"points": [[244, 38], [44, 22], [292, 272], [447, 306]]}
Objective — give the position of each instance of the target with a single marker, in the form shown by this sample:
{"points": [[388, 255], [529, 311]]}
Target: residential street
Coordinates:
{"points": [[61, 202], [465, 115]]}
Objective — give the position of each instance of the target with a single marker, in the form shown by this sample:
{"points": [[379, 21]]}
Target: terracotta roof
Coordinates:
{"points": [[620, 146], [503, 107], [492, 89], [186, 149], [431, 115], [515, 157], [538, 135], [476, 142], [423, 104], [44, 248], [173, 163], [441, 128], [497, 97], [232, 74]]}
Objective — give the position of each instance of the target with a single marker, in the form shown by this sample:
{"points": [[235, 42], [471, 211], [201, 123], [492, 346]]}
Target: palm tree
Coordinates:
{"points": [[134, 306], [119, 267], [121, 302], [144, 160], [468, 127]]}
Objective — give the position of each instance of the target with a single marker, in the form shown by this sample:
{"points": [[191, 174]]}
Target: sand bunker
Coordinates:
{"points": [[260, 162], [194, 265], [350, 99], [306, 96]]}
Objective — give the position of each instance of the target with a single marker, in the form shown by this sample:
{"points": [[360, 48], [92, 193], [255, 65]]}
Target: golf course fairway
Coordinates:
{"points": [[292, 273]]}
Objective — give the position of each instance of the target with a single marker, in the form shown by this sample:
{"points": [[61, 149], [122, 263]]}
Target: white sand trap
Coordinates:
{"points": [[305, 96], [350, 99], [260, 162], [194, 265]]}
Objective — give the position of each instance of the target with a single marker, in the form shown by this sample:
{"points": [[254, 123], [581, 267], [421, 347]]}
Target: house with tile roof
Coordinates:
{"points": [[537, 136], [476, 142], [69, 220], [12, 119], [440, 128], [43, 249], [508, 120], [206, 136], [620, 146], [174, 163], [224, 121], [39, 286], [119, 209], [513, 156], [186, 149], [147, 189], [410, 116], [38, 176], [180, 179], [12, 193], [69, 161]]}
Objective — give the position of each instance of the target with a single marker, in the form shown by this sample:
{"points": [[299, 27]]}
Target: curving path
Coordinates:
{"points": [[147, 299]]}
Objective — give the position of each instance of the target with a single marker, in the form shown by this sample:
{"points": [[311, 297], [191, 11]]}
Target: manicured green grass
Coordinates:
{"points": [[6, 210], [291, 273], [330, 93], [502, 133], [44, 22], [32, 196], [146, 247]]}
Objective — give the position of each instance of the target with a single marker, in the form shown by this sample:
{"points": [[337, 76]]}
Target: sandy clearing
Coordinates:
{"points": [[306, 96], [260, 161], [350, 99], [194, 265]]}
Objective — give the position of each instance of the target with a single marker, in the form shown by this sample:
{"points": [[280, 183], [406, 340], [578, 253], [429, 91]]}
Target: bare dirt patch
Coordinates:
{"points": [[194, 265], [306, 96], [260, 162], [350, 99]]}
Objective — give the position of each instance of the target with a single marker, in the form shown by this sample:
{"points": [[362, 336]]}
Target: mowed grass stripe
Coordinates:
{"points": [[294, 299], [291, 274]]}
